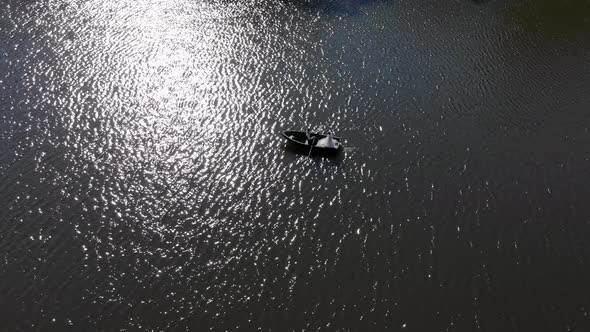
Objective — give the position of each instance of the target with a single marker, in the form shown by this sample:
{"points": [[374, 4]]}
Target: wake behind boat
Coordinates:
{"points": [[313, 142]]}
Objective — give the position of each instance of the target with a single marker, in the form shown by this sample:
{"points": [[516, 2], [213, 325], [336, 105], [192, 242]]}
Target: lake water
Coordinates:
{"points": [[144, 186]]}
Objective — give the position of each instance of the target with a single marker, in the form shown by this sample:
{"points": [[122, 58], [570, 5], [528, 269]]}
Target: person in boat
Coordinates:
{"points": [[309, 137], [328, 142]]}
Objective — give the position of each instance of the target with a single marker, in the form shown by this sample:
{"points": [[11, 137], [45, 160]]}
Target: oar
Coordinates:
{"points": [[311, 147]]}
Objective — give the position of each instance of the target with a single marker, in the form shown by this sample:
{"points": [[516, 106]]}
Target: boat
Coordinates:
{"points": [[298, 139]]}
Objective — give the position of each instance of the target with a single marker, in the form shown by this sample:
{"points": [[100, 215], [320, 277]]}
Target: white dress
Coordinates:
{"points": [[327, 142]]}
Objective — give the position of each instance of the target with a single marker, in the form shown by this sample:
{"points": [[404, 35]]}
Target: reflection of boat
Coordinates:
{"points": [[298, 139]]}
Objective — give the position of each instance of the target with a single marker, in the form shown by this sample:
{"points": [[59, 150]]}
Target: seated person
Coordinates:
{"points": [[309, 137]]}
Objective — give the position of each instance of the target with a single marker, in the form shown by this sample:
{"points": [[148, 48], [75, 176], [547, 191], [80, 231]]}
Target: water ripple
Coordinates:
{"points": [[146, 186]]}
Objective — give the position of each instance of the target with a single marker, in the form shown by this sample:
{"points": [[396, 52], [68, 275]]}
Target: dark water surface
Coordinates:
{"points": [[144, 186]]}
